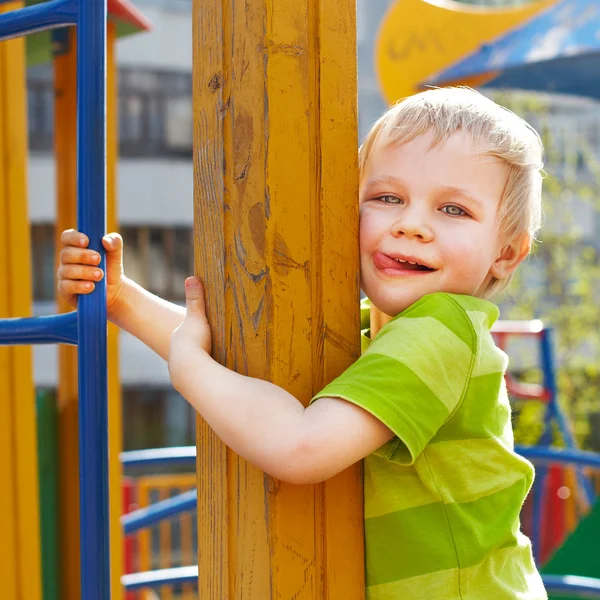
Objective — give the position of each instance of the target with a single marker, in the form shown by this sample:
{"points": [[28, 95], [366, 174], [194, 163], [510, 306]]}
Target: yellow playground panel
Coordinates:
{"points": [[418, 38], [173, 549]]}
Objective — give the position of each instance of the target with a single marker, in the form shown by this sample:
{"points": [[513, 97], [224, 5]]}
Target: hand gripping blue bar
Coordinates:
{"points": [[55, 329], [46, 15], [90, 18], [92, 333]]}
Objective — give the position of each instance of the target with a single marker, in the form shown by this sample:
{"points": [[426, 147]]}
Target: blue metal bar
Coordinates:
{"points": [[538, 492], [567, 456], [92, 332], [37, 17], [160, 456], [554, 411], [574, 586], [146, 517], [154, 579], [55, 329]]}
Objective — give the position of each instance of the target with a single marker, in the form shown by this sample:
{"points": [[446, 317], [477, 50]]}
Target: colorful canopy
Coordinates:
{"points": [[556, 51]]}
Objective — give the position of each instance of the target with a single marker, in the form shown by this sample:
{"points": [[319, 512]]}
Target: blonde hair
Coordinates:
{"points": [[496, 130]]}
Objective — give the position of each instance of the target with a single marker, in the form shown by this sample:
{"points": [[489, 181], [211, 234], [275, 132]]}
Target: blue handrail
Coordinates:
{"points": [[185, 455], [573, 585], [153, 579], [150, 515], [560, 456], [54, 329], [90, 18], [37, 17]]}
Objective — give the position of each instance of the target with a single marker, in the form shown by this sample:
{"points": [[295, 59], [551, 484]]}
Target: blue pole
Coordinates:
{"points": [[92, 332]]}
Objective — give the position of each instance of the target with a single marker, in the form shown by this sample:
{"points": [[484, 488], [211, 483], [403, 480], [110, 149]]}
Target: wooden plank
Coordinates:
{"points": [[65, 149], [8, 523], [343, 521], [209, 104], [276, 204]]}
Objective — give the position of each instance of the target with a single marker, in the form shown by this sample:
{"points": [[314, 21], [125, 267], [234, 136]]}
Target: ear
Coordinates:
{"points": [[510, 257]]}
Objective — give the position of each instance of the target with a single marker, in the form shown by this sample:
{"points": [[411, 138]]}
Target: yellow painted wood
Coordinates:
{"points": [[275, 143], [115, 425], [18, 299], [8, 527], [65, 111], [419, 38]]}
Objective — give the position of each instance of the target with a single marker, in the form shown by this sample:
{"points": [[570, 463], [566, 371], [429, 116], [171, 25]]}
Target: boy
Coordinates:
{"points": [[450, 201]]}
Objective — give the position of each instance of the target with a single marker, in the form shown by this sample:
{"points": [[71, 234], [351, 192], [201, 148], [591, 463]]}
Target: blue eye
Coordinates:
{"points": [[454, 211], [388, 199]]}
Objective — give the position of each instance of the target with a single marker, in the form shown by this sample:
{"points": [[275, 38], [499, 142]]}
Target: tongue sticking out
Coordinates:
{"points": [[387, 262]]}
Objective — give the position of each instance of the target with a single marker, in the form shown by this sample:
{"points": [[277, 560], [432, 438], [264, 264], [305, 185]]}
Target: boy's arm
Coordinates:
{"points": [[148, 317], [262, 422]]}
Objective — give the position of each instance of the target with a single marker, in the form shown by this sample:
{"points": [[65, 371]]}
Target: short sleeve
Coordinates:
{"points": [[415, 373]]}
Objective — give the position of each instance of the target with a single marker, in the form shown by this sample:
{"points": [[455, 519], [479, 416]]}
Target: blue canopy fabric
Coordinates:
{"points": [[556, 51]]}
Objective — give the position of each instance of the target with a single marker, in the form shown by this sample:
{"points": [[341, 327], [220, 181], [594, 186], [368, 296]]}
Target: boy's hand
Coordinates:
{"points": [[193, 335], [78, 270]]}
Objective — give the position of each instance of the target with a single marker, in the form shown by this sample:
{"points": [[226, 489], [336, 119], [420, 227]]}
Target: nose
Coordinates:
{"points": [[412, 224]]}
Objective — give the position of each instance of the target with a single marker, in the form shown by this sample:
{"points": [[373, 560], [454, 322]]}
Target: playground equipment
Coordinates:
{"points": [[556, 513], [303, 542], [285, 71], [419, 38], [522, 60], [26, 579]]}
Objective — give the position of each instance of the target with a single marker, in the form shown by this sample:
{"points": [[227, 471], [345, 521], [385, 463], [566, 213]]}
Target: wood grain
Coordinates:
{"points": [[276, 225]]}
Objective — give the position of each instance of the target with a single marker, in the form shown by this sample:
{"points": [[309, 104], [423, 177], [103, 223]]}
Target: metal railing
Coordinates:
{"points": [[87, 326]]}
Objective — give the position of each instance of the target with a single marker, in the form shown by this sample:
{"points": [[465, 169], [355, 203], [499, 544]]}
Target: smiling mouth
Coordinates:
{"points": [[400, 266]]}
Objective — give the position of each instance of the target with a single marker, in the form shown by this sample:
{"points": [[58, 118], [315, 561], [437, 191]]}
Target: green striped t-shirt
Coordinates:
{"points": [[442, 498]]}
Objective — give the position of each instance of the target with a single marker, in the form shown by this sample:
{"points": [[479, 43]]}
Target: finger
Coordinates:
{"points": [[79, 256], [72, 237], [194, 296], [79, 273], [69, 289], [113, 243]]}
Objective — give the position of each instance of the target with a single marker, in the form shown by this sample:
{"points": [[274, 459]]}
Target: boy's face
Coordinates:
{"points": [[437, 207]]}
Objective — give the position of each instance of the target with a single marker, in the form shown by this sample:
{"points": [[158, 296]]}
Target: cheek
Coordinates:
{"points": [[470, 252], [367, 230]]}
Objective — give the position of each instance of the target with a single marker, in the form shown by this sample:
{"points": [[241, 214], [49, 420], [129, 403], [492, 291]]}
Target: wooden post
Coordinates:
{"points": [[20, 559], [276, 223]]}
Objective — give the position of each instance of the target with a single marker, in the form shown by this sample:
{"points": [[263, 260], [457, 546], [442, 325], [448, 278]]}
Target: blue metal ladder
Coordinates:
{"points": [[87, 326]]}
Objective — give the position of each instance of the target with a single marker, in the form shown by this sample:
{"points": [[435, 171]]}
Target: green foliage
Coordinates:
{"points": [[560, 282]]}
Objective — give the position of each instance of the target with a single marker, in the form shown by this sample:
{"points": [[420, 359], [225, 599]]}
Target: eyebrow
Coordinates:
{"points": [[457, 191], [447, 189]]}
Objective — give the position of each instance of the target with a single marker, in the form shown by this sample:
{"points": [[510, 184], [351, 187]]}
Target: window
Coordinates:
{"points": [[155, 112], [159, 258], [43, 267], [156, 418]]}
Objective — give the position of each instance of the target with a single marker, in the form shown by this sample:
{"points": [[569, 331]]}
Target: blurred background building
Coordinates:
{"points": [[155, 188]]}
